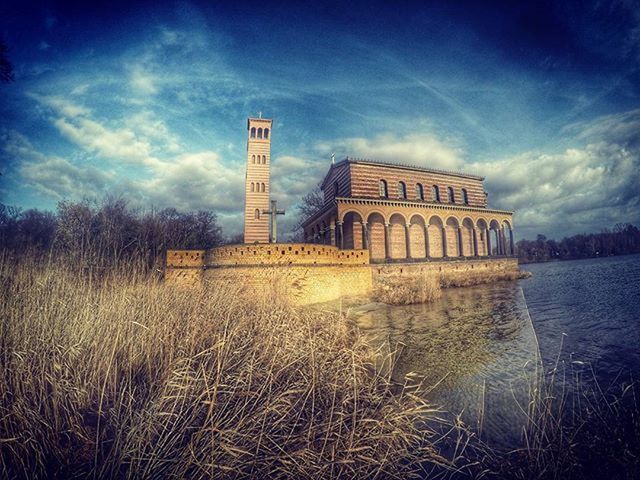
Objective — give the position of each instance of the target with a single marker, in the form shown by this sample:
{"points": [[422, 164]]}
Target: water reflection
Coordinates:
{"points": [[475, 346]]}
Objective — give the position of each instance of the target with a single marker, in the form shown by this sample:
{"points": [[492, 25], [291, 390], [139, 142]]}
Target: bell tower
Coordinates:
{"points": [[256, 188]]}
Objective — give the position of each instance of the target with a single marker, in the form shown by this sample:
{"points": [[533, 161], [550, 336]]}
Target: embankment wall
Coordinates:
{"points": [[308, 273]]}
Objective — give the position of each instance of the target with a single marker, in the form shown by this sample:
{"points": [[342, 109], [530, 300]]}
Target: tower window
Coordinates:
{"points": [[253, 132], [452, 198], [253, 159], [263, 187], [266, 133], [402, 190], [259, 133], [256, 214], [465, 197], [264, 159], [252, 186], [419, 191], [383, 189], [435, 193]]}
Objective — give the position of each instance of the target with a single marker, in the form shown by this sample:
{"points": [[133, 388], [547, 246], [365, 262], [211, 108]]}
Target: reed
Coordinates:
{"points": [[468, 279], [405, 290], [110, 373]]}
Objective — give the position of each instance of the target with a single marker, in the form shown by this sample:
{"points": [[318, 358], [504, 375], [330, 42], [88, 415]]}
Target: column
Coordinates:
{"points": [[512, 245], [475, 241], [387, 241], [426, 241], [332, 234], [460, 251], [340, 236], [365, 236], [487, 236], [407, 239], [501, 242], [444, 242]]}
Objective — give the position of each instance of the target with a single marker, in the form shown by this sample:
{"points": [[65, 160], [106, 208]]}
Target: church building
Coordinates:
{"points": [[406, 213]]}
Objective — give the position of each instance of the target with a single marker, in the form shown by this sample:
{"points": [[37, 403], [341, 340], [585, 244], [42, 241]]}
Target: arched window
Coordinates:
{"points": [[402, 190], [252, 186], [435, 193], [253, 159], [263, 187], [256, 214], [259, 133], [266, 133], [419, 192], [383, 189], [264, 159], [452, 198], [465, 197], [253, 132]]}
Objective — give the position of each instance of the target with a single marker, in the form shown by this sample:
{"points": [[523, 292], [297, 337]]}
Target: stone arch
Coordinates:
{"points": [[468, 249], [436, 237], [417, 240], [481, 235], [452, 233], [377, 236], [397, 236], [494, 237], [352, 230]]}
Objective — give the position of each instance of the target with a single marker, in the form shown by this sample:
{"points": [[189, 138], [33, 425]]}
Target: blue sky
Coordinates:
{"points": [[150, 102]]}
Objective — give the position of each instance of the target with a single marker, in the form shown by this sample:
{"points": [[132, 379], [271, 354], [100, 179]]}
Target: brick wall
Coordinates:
{"points": [[285, 254]]}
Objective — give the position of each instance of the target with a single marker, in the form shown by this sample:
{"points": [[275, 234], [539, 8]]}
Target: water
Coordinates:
{"points": [[483, 348]]}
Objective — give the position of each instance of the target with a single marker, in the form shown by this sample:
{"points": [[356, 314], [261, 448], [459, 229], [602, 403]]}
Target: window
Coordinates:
{"points": [[252, 186], [253, 159], [256, 214], [263, 187], [266, 133], [419, 192], [383, 189], [402, 190], [264, 159], [259, 133], [435, 193], [465, 197], [452, 198], [253, 132]]}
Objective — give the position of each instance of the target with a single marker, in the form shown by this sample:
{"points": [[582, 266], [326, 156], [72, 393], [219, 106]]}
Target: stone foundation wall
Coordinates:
{"points": [[315, 274]]}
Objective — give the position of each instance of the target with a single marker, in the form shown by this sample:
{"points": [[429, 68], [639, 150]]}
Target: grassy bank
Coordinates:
{"points": [[116, 375], [427, 287]]}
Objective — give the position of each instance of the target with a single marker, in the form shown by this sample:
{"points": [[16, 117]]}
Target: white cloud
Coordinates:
{"points": [[418, 149], [142, 82]]}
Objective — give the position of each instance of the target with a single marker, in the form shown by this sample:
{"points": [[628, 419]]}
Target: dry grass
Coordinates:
{"points": [[467, 279], [400, 290], [121, 376]]}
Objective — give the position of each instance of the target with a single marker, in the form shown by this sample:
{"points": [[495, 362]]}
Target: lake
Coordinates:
{"points": [[482, 349]]}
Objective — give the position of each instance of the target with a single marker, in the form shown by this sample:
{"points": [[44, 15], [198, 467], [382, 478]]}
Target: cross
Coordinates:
{"points": [[273, 212], [260, 114]]}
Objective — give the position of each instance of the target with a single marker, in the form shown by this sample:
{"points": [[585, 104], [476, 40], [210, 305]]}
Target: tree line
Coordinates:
{"points": [[623, 239], [106, 233]]}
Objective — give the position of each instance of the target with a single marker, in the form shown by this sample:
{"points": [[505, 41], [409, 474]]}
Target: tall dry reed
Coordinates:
{"points": [[405, 290], [112, 374]]}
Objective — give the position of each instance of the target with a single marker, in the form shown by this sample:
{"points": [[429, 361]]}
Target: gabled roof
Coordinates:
{"points": [[401, 166]]}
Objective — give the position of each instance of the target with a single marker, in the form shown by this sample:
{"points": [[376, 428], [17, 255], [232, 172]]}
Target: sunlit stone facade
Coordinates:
{"points": [[405, 213]]}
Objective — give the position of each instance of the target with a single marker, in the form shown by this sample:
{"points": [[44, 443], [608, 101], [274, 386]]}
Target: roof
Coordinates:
{"points": [[403, 166]]}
